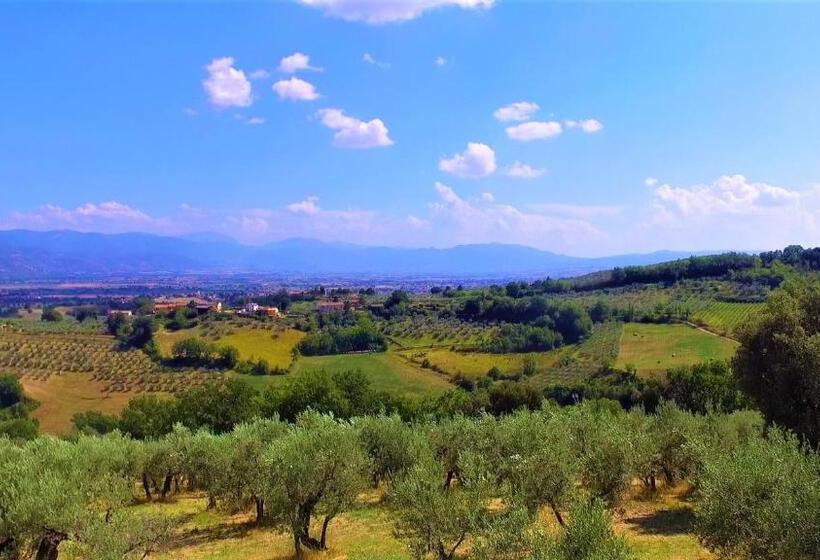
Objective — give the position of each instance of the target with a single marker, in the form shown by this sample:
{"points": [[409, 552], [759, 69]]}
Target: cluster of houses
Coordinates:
{"points": [[251, 309]]}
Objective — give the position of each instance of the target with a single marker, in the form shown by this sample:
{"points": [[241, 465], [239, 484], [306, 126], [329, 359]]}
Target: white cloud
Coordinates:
{"points": [[295, 89], [377, 12], [354, 133], [586, 125], [296, 62], [227, 86], [518, 111], [729, 194], [260, 74], [650, 182], [534, 130], [579, 210], [369, 59], [309, 206], [440, 61], [520, 170], [458, 221], [477, 161], [488, 197], [731, 212], [190, 112], [255, 120]]}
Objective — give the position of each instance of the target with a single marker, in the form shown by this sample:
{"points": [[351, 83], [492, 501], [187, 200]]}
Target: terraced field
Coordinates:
{"points": [[727, 318], [652, 349]]}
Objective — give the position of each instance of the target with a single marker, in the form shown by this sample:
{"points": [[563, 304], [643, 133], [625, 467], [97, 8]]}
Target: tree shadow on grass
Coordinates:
{"points": [[664, 522], [198, 536]]}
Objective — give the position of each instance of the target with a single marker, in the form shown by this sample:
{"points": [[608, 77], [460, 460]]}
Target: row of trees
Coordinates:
{"points": [[451, 483], [363, 336]]}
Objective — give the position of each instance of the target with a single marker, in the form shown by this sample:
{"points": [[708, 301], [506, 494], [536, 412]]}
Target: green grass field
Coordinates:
{"points": [[477, 364], [726, 318], [387, 371], [652, 349]]}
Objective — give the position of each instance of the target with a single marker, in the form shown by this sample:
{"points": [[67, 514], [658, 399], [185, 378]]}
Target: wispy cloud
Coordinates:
{"points": [[518, 111], [378, 12], [297, 62], [520, 170]]}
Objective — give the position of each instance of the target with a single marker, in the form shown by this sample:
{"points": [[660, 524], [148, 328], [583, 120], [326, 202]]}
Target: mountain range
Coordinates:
{"points": [[32, 255]]}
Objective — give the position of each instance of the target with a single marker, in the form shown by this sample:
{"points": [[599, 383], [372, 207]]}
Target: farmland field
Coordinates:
{"points": [[273, 345], [726, 318], [652, 349], [62, 396], [582, 360], [387, 371], [477, 364]]}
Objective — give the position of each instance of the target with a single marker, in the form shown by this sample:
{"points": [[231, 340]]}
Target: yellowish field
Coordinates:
{"points": [[652, 349], [658, 528], [477, 364], [273, 345], [62, 396]]}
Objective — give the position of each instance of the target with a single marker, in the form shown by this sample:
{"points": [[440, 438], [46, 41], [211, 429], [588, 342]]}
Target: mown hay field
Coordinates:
{"points": [[652, 349]]}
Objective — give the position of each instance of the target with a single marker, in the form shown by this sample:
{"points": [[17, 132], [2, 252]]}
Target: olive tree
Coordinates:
{"points": [[316, 469]]}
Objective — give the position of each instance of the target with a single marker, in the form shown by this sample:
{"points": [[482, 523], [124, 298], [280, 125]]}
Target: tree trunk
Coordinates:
{"points": [[166, 486], [297, 543], [260, 508], [449, 480], [323, 538], [146, 486], [48, 549], [211, 503], [558, 516], [653, 485]]}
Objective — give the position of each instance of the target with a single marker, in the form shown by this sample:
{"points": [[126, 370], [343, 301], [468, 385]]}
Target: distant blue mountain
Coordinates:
{"points": [[70, 254]]}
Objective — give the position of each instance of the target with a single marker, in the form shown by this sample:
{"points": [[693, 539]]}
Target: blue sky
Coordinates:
{"points": [[638, 126]]}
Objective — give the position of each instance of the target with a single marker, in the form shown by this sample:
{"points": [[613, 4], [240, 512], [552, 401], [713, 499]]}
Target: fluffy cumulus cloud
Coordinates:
{"points": [[589, 126], [534, 130], [297, 62], [355, 133], [518, 111], [734, 211], [729, 194], [440, 61], [520, 170], [295, 89], [226, 85], [477, 161], [378, 12]]}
